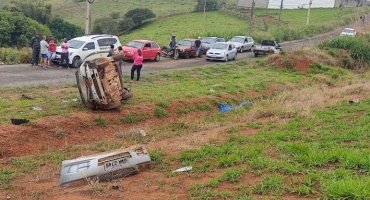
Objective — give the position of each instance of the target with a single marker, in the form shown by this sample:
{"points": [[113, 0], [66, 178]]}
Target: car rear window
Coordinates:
{"points": [[106, 41], [154, 45], [185, 43]]}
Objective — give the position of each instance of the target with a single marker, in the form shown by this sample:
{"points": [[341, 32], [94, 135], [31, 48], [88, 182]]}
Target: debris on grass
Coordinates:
{"points": [[224, 108], [183, 169]]}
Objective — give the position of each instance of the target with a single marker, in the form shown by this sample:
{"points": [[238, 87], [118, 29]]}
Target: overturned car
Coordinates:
{"points": [[100, 83]]}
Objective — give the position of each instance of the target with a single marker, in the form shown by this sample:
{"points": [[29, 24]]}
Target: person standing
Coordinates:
{"points": [[52, 50], [120, 52], [44, 52], [138, 64], [35, 45], [111, 51], [197, 46], [64, 57]]}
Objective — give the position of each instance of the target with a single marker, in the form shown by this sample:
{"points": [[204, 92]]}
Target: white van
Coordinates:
{"points": [[88, 47]]}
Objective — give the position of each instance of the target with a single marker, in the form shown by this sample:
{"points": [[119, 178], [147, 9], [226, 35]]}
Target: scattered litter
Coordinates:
{"points": [[21, 112], [26, 96], [19, 121], [75, 99], [37, 108], [184, 169], [212, 90], [353, 101], [142, 133], [65, 101], [225, 108]]}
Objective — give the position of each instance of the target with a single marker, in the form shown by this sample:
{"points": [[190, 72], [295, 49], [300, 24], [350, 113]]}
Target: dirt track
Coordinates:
{"points": [[23, 74]]}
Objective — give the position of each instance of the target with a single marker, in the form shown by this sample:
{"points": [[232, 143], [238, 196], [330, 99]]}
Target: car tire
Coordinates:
{"points": [[82, 89], [157, 57], [227, 58], [186, 55], [76, 62], [256, 55]]}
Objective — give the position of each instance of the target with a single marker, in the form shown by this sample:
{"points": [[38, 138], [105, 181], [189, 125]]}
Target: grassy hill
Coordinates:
{"points": [[227, 24]]}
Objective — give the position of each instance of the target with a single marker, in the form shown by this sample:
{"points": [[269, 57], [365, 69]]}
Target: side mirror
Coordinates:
{"points": [[85, 49]]}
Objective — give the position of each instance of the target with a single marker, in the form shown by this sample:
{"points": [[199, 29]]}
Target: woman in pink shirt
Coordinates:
{"points": [[138, 64]]}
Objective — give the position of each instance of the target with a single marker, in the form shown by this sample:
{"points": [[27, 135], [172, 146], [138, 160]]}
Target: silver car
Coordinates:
{"points": [[222, 51], [242, 43]]}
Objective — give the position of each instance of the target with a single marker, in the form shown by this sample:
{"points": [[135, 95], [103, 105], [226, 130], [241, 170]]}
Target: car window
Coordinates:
{"points": [[106, 41], [154, 45], [135, 44], [219, 46], [184, 43], [75, 44], [237, 39], [208, 40], [148, 45], [90, 45]]}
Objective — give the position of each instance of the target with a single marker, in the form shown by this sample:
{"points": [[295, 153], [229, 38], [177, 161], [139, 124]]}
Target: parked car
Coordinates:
{"points": [[348, 32], [209, 41], [186, 48], [267, 47], [87, 48], [242, 43], [221, 51], [150, 50]]}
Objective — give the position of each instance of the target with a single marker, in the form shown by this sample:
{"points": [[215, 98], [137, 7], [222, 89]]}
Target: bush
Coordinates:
{"points": [[15, 56]]}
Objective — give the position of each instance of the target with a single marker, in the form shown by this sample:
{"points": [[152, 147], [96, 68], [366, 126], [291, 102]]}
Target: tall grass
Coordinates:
{"points": [[15, 56]]}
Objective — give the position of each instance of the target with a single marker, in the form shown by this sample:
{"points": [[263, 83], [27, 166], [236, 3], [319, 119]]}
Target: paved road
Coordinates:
{"points": [[24, 74]]}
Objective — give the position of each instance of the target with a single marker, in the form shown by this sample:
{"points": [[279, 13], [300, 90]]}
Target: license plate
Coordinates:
{"points": [[121, 162]]}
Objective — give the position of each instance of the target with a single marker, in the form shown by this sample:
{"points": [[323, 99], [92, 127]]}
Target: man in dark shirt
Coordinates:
{"points": [[35, 45], [197, 46]]}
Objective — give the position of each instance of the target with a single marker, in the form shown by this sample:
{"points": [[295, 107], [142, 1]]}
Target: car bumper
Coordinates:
{"points": [[215, 57], [129, 56]]}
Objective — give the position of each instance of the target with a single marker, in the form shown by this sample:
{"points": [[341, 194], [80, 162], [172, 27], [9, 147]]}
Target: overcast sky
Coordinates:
{"points": [[300, 3]]}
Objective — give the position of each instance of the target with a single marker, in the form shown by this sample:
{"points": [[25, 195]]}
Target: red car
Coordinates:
{"points": [[150, 49]]}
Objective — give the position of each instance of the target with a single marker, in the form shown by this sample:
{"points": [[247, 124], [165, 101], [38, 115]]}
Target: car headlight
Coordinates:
{"points": [[130, 52]]}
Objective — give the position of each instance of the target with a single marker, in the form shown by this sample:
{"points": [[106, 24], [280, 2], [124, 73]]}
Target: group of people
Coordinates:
{"points": [[138, 61], [47, 50], [197, 42]]}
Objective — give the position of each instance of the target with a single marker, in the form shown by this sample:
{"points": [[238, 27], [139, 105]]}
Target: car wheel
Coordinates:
{"points": [[157, 57], [227, 58], [76, 62], [256, 55], [83, 90], [235, 56], [186, 55]]}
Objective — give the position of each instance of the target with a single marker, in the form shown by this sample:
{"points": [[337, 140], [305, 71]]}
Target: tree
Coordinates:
{"points": [[138, 15], [126, 25], [106, 25], [16, 29], [62, 29], [210, 5], [37, 11]]}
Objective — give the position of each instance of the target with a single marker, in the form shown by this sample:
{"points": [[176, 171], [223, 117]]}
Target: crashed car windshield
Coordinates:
{"points": [[135, 44], [184, 43], [219, 46], [75, 44], [237, 39]]}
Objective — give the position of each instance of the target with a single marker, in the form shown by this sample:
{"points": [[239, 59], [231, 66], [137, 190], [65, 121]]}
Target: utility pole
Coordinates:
{"points": [[281, 8], [340, 10], [204, 14], [309, 12], [251, 19], [88, 17]]}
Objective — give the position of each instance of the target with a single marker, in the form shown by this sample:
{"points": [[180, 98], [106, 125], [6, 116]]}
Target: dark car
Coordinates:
{"points": [[209, 41], [186, 48]]}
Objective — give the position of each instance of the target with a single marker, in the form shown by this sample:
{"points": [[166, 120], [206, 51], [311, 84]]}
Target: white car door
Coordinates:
{"points": [[89, 51]]}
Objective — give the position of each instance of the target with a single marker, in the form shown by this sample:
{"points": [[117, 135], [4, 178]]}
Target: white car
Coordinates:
{"points": [[348, 32], [222, 51], [242, 43], [88, 47]]}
